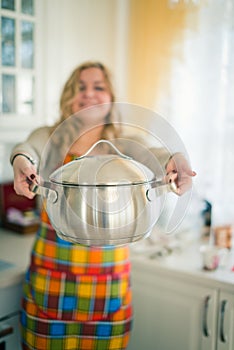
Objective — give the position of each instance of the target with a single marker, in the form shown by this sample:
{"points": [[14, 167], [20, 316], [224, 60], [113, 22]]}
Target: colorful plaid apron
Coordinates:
{"points": [[75, 296]]}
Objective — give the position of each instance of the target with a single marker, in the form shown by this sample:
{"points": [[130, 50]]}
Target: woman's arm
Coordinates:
{"points": [[25, 159], [179, 170], [167, 166], [33, 146]]}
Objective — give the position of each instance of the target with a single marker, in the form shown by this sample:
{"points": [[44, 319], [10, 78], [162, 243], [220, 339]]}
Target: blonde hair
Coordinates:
{"points": [[71, 88]]}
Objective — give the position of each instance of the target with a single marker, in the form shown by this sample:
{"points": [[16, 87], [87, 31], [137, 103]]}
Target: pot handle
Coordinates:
{"points": [[107, 142], [45, 191], [160, 188]]}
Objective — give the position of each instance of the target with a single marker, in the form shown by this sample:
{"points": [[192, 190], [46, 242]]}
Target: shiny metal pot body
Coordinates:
{"points": [[103, 215], [103, 200]]}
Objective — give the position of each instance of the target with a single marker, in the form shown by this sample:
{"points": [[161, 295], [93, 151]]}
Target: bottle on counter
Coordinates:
{"points": [[206, 215]]}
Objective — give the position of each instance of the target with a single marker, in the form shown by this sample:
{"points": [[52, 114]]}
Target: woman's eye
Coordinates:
{"points": [[99, 88], [82, 88]]}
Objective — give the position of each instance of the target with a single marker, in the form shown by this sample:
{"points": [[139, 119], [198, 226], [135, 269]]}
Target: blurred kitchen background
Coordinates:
{"points": [[172, 56], [175, 57]]}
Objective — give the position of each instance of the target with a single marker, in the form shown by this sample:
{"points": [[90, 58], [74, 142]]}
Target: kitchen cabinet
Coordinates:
{"points": [[10, 296], [14, 258], [225, 330], [179, 311]]}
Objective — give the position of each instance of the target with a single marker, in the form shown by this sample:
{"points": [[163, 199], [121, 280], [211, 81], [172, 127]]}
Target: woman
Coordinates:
{"points": [[68, 286]]}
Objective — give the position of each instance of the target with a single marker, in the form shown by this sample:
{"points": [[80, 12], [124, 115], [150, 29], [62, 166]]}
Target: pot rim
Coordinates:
{"points": [[67, 184]]}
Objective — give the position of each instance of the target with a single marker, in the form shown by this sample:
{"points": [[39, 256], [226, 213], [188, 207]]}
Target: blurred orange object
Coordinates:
{"points": [[223, 236]]}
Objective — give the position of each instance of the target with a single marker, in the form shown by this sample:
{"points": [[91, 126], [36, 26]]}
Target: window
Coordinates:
{"points": [[17, 53], [184, 57]]}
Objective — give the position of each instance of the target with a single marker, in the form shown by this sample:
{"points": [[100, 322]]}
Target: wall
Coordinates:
{"points": [[78, 31]]}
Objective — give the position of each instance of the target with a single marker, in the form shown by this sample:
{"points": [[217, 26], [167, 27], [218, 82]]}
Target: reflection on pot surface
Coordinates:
{"points": [[88, 205]]}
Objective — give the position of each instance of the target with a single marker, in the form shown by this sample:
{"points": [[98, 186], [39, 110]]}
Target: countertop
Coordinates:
{"points": [[186, 261], [15, 250]]}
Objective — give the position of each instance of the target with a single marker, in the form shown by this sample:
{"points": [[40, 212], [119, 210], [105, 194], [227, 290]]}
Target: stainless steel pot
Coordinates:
{"points": [[103, 200]]}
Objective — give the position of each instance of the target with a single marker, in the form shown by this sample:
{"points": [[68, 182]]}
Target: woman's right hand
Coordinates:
{"points": [[25, 173]]}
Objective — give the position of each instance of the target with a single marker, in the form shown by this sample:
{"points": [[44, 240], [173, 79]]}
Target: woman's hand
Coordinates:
{"points": [[25, 174], [179, 171]]}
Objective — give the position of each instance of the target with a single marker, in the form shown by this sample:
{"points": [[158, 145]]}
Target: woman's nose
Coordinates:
{"points": [[89, 91]]}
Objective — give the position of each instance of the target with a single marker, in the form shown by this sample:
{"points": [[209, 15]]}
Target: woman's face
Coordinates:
{"points": [[93, 90]]}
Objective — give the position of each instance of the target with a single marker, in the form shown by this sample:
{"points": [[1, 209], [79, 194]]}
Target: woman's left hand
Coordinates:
{"points": [[179, 171]]}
